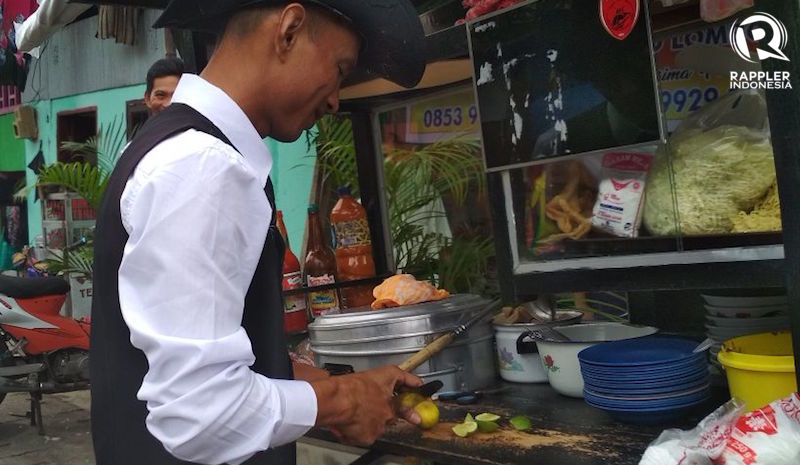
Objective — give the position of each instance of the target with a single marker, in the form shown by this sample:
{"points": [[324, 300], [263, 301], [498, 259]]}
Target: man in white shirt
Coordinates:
{"points": [[189, 362]]}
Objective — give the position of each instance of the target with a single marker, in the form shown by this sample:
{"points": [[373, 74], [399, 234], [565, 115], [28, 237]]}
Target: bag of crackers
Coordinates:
{"points": [[766, 436]]}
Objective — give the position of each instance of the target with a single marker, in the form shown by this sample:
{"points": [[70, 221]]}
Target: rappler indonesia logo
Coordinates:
{"points": [[770, 36]]}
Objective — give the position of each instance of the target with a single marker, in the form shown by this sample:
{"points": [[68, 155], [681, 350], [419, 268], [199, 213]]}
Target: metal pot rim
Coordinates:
{"points": [[458, 303]]}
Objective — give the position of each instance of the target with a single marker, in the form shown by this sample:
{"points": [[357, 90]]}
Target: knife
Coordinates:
{"points": [[426, 390]]}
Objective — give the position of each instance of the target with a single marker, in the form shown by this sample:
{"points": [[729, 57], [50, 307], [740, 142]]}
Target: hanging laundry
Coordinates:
{"points": [[13, 65], [118, 22]]}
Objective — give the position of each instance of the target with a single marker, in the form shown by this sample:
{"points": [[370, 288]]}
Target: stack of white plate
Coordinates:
{"points": [[733, 316]]}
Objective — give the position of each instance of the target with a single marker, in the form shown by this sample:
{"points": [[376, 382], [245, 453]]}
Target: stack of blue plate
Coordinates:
{"points": [[646, 380]]}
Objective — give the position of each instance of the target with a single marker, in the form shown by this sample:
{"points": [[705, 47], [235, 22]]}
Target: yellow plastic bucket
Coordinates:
{"points": [[760, 368]]}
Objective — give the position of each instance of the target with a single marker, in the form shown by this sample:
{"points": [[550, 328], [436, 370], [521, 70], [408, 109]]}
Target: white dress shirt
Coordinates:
{"points": [[197, 217]]}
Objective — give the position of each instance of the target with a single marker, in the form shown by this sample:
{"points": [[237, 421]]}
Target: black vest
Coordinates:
{"points": [[117, 368]]}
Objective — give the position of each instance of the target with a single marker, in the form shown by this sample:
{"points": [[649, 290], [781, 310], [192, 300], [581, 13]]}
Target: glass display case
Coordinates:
{"points": [[613, 155]]}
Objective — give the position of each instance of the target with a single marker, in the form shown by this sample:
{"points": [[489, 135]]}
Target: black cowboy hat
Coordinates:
{"points": [[394, 42]]}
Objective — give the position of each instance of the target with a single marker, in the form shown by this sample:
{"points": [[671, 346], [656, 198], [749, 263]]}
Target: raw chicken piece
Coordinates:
{"points": [[404, 289]]}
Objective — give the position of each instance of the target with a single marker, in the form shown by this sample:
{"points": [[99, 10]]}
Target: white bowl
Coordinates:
{"points": [[735, 301], [747, 322], [725, 334], [745, 312], [560, 359]]}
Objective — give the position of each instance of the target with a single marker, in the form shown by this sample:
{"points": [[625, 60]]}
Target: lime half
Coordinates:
{"points": [[487, 417], [520, 423], [465, 429]]}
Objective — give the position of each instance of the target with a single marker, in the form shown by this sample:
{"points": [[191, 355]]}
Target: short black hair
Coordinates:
{"points": [[170, 66]]}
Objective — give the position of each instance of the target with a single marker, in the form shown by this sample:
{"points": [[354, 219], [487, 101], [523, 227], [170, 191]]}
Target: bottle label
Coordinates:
{"points": [[322, 302], [293, 303], [292, 281], [352, 233]]}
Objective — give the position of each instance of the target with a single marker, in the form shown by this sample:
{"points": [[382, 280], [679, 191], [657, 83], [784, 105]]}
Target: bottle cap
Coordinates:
{"points": [[313, 208], [344, 190]]}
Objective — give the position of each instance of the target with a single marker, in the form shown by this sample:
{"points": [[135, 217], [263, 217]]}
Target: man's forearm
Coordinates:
{"points": [[308, 373]]}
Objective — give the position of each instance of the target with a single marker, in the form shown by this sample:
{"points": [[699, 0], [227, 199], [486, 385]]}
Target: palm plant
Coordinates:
{"points": [[88, 181], [416, 180]]}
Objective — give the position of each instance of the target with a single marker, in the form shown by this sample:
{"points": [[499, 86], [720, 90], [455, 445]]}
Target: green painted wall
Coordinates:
{"points": [[110, 103], [12, 150], [293, 175]]}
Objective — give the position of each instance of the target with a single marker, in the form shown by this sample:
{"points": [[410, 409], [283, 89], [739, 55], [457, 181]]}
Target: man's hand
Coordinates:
{"points": [[358, 407]]}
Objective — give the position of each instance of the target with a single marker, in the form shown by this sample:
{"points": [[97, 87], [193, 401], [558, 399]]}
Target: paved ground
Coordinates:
{"points": [[67, 440]]}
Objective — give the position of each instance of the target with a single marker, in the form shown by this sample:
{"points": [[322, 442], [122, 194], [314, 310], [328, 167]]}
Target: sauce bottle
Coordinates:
{"points": [[353, 249], [295, 308], [319, 268]]}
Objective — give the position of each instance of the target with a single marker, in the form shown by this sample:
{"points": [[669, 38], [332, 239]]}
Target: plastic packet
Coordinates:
{"points": [[717, 163], [767, 436], [620, 197], [700, 446], [715, 10]]}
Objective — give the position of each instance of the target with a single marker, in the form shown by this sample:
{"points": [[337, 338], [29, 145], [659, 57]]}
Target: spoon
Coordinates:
{"points": [[703, 346]]}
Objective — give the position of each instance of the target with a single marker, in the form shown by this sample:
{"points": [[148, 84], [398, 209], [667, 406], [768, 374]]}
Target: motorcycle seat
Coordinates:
{"points": [[27, 288]]}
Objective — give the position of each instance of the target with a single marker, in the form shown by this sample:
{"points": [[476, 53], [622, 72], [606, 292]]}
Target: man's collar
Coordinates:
{"points": [[213, 103]]}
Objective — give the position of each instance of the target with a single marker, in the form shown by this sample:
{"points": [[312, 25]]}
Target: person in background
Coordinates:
{"points": [[162, 79]]}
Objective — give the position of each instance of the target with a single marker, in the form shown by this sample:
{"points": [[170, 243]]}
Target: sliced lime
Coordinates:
{"points": [[520, 422], [469, 419], [487, 426], [462, 430], [487, 417]]}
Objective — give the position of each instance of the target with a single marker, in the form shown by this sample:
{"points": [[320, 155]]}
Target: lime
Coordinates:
{"points": [[428, 414], [409, 400], [465, 429], [520, 422], [488, 417], [487, 426], [469, 419]]}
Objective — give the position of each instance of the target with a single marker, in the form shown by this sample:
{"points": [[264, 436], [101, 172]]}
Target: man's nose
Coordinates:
{"points": [[333, 102]]}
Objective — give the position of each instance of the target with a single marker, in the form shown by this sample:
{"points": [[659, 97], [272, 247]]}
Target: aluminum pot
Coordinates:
{"points": [[370, 339], [520, 362], [560, 358]]}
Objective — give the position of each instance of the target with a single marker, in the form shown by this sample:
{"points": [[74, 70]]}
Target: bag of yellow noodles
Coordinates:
{"points": [[717, 164]]}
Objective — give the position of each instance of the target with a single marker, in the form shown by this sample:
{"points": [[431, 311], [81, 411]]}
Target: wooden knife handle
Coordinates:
{"points": [[427, 352]]}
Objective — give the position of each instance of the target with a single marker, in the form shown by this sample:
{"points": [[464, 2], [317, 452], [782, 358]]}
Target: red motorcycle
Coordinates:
{"points": [[41, 352]]}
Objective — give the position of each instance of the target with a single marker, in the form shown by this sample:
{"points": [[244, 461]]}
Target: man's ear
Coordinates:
{"points": [[147, 99], [293, 20]]}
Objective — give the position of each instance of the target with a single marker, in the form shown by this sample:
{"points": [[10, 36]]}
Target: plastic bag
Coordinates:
{"points": [[618, 209], [715, 10], [722, 164], [767, 436], [700, 446]]}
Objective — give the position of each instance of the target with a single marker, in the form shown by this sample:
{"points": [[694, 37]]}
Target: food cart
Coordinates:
{"points": [[567, 430]]}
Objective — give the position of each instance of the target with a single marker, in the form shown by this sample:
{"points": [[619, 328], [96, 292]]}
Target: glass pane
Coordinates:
{"points": [[543, 93], [722, 165], [436, 192], [590, 206]]}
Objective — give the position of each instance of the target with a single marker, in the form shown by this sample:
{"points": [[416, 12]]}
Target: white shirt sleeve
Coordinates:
{"points": [[197, 224]]}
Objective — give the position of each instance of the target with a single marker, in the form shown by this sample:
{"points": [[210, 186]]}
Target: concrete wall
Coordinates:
{"points": [[74, 62], [110, 104]]}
